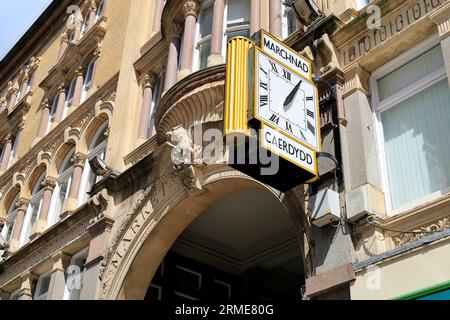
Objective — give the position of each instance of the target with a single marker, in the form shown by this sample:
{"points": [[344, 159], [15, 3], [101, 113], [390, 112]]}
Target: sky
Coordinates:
{"points": [[16, 16]]}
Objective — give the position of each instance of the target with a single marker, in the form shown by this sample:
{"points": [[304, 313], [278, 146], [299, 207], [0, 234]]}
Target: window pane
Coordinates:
{"points": [[205, 50], [238, 12], [408, 74], [417, 146], [206, 22]]}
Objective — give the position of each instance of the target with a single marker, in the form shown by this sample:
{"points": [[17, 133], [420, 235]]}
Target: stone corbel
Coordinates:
{"points": [[441, 17], [192, 180], [327, 52], [356, 78], [100, 203]]}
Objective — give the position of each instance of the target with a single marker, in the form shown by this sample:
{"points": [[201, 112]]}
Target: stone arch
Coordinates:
{"points": [[164, 212], [103, 114], [59, 157], [32, 179], [10, 195]]}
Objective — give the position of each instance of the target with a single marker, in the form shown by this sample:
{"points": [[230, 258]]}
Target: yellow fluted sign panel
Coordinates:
{"points": [[237, 91]]}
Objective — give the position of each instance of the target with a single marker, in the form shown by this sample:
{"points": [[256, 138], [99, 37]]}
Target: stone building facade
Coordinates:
{"points": [[96, 94]]}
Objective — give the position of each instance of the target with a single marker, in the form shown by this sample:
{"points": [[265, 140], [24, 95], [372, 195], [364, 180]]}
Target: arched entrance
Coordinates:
{"points": [[242, 247], [169, 212]]}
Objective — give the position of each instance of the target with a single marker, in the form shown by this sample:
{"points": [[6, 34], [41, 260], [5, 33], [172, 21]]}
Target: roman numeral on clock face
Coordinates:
{"points": [[311, 128], [289, 127], [274, 66], [309, 98], [287, 75], [275, 119], [310, 113], [263, 100], [265, 72], [263, 85]]}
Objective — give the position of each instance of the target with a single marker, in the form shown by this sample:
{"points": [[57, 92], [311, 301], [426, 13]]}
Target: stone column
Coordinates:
{"points": [[172, 59], [6, 153], [275, 19], [78, 88], [61, 103], [41, 223], [63, 46], [22, 207], [156, 27], [146, 109], [28, 286], [190, 10], [255, 16], [45, 118], [13, 98], [359, 147], [441, 18], [58, 280], [78, 161], [216, 57]]}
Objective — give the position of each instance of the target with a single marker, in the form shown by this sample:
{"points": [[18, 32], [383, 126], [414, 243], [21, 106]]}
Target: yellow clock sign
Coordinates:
{"points": [[269, 88]]}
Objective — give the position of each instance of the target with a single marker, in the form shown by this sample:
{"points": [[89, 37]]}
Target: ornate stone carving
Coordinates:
{"points": [[192, 180], [78, 160], [49, 183], [149, 80], [62, 87], [191, 8], [415, 235], [185, 152], [22, 204], [79, 71], [175, 30]]}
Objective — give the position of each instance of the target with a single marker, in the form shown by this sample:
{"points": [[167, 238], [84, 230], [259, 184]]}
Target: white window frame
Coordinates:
{"points": [[51, 119], [13, 149], [88, 80], [14, 294], [100, 10], [67, 291], [225, 31], [394, 100], [36, 199], [10, 219], [99, 150], [198, 40], [84, 27], [159, 84], [56, 205], [285, 21], [69, 98], [360, 4], [42, 296]]}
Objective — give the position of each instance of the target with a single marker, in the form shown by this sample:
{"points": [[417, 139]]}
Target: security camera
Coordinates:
{"points": [[307, 11]]}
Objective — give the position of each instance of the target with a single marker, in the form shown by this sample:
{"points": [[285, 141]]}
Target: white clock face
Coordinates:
{"points": [[286, 101]]}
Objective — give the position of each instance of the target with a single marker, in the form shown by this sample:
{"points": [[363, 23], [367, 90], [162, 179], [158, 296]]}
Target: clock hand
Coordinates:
{"points": [[291, 95]]}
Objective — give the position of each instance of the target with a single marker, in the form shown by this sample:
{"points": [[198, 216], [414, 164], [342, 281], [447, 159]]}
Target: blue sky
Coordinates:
{"points": [[16, 16]]}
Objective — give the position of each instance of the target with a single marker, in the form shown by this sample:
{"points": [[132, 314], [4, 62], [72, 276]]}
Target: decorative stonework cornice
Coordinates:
{"points": [[418, 234], [442, 18], [191, 8], [356, 78]]}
